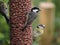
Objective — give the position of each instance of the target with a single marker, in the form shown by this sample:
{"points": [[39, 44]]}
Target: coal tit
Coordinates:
{"points": [[31, 16]]}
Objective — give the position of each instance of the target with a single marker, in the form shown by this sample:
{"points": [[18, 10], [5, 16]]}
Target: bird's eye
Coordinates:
{"points": [[37, 26], [37, 11]]}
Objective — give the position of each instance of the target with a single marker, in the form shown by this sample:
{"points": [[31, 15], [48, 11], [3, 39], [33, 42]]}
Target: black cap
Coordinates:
{"points": [[35, 8]]}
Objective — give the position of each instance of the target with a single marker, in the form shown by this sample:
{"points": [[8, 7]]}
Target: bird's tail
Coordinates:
{"points": [[24, 27], [7, 20]]}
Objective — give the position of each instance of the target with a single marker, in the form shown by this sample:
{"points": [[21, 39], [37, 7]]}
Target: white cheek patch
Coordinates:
{"points": [[35, 10], [41, 27]]}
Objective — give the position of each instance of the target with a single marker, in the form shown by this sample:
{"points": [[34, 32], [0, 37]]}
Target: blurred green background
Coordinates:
{"points": [[4, 28]]}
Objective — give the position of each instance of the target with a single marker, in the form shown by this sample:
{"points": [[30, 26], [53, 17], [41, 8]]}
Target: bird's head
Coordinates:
{"points": [[41, 26], [3, 8], [35, 9]]}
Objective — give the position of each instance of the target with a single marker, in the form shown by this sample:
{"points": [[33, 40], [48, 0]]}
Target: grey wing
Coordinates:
{"points": [[26, 22], [28, 19], [31, 17]]}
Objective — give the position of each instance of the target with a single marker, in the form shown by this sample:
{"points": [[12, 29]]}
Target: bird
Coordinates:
{"points": [[31, 16], [38, 31], [3, 11]]}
